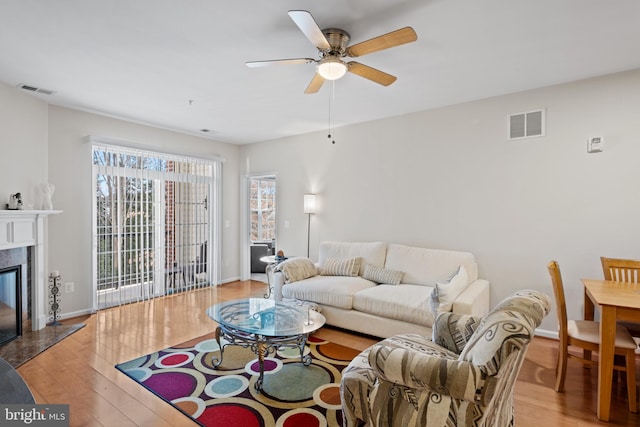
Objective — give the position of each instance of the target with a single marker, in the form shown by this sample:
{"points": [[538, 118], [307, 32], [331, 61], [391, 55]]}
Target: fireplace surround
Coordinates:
{"points": [[27, 229]]}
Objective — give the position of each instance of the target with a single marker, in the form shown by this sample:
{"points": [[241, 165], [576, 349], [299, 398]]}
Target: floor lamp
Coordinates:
{"points": [[309, 208]]}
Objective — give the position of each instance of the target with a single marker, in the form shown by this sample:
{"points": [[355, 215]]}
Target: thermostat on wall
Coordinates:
{"points": [[595, 144]]}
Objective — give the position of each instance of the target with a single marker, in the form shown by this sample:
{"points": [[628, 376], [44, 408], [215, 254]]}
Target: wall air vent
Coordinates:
{"points": [[35, 89], [530, 124]]}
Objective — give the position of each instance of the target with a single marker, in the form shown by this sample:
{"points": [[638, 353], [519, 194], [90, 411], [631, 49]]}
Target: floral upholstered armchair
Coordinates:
{"points": [[463, 377]]}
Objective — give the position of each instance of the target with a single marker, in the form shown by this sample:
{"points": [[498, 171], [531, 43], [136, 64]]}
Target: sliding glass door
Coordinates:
{"points": [[154, 222]]}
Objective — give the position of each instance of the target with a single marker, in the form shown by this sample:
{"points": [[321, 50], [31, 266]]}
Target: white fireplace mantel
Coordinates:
{"points": [[26, 228]]}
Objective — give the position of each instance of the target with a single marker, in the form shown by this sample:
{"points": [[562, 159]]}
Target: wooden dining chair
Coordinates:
{"points": [[624, 270], [621, 270], [585, 334]]}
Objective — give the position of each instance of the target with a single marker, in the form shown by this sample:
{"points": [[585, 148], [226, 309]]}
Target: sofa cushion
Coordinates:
{"points": [[341, 267], [445, 293], [371, 252], [382, 275], [428, 266], [409, 303], [328, 290]]}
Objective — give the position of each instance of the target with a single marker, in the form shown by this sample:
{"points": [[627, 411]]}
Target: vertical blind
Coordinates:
{"points": [[154, 224]]}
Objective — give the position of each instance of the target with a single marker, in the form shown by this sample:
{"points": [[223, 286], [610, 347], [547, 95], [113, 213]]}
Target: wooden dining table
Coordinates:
{"points": [[616, 301]]}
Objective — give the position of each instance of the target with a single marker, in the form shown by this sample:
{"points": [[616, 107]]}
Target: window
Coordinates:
{"points": [[262, 207], [153, 224]]}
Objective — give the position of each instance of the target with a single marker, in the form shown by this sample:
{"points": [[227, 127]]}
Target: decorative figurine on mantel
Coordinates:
{"points": [[47, 193], [15, 202]]}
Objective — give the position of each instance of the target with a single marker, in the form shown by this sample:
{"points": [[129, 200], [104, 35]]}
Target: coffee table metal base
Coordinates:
{"points": [[261, 345]]}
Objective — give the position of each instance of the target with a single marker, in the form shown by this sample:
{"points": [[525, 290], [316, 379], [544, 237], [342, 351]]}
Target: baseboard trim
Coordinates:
{"points": [[78, 313], [89, 311], [547, 334]]}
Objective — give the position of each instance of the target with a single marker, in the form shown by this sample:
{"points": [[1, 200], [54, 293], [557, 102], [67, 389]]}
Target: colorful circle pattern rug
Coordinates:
{"points": [[293, 395]]}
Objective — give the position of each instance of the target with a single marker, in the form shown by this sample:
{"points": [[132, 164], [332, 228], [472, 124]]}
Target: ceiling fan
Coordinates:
{"points": [[332, 45]]}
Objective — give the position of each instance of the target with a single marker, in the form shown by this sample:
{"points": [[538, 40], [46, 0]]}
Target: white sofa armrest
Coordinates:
{"points": [[278, 283], [475, 300]]}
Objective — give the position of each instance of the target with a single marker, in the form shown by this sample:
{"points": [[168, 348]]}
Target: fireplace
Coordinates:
{"points": [[23, 262], [14, 312], [10, 303]]}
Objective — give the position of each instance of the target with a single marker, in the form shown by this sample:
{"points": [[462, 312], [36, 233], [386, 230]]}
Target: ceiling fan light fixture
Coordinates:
{"points": [[332, 68]]}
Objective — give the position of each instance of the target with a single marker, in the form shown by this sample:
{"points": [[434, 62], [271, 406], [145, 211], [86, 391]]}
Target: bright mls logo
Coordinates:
{"points": [[34, 415]]}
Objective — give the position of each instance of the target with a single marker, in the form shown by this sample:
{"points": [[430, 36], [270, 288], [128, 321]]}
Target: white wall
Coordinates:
{"points": [[445, 178], [70, 172], [23, 146], [448, 178], [41, 143]]}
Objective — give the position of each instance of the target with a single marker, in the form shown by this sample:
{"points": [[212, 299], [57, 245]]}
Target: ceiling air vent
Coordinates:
{"points": [[526, 125], [35, 89]]}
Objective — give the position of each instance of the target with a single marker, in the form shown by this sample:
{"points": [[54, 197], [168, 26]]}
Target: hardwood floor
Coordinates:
{"points": [[79, 371]]}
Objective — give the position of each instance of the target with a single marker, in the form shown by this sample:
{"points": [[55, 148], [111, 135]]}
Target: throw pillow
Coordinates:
{"points": [[382, 275], [295, 269], [341, 267], [445, 293], [452, 331]]}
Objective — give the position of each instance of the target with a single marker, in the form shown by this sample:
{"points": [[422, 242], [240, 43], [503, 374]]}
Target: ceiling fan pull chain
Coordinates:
{"points": [[332, 96]]}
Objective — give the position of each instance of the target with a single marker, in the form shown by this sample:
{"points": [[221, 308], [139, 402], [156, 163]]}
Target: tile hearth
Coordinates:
{"points": [[31, 343]]}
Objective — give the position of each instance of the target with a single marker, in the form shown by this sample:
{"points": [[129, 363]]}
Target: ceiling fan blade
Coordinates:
{"points": [[315, 85], [308, 26], [371, 73], [385, 41], [256, 64]]}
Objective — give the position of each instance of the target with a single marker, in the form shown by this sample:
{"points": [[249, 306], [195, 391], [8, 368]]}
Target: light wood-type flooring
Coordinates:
{"points": [[79, 371]]}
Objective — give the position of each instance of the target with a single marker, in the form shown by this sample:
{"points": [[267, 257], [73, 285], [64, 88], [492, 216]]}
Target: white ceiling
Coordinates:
{"points": [[144, 60]]}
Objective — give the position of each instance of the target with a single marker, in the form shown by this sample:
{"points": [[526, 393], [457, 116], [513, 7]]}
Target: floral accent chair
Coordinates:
{"points": [[463, 377]]}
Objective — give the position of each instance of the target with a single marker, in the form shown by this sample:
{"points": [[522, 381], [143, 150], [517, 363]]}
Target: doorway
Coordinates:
{"points": [[261, 219]]}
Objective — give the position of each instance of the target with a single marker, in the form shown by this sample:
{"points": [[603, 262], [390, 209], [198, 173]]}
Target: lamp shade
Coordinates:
{"points": [[332, 68], [310, 203]]}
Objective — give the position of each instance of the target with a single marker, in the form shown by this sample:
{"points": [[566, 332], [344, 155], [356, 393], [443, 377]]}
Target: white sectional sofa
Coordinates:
{"points": [[359, 304]]}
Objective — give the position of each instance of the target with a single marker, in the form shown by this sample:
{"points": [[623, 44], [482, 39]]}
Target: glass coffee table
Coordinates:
{"points": [[264, 326]]}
